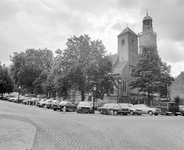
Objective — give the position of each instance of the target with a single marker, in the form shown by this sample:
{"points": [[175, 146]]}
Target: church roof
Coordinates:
{"points": [[147, 18], [126, 30], [113, 58], [119, 67]]}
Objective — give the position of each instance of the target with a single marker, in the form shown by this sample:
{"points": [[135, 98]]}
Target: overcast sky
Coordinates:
{"points": [[48, 24]]}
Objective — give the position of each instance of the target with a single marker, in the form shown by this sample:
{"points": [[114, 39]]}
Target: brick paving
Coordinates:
{"points": [[16, 135], [72, 131]]}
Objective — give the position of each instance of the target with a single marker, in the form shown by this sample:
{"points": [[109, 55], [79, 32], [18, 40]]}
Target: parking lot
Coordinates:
{"points": [[73, 131]]}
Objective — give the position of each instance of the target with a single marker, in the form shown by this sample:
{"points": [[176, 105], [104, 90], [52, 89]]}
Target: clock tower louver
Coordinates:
{"points": [[147, 38]]}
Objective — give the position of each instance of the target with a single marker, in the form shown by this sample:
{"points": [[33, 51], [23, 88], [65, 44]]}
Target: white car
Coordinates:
{"points": [[147, 110], [47, 103], [181, 108], [85, 107], [40, 103], [132, 108]]}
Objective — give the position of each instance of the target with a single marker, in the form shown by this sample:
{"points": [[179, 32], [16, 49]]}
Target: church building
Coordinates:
{"points": [[130, 45]]}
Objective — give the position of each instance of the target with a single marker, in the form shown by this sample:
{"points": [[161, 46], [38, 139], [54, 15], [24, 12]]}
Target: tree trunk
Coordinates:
{"points": [[82, 95]]}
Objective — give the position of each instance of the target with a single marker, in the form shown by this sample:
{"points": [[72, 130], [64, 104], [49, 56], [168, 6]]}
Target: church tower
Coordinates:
{"points": [[128, 46], [147, 38]]}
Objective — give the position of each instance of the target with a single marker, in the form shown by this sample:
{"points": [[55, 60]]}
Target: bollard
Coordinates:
{"points": [[64, 109]]}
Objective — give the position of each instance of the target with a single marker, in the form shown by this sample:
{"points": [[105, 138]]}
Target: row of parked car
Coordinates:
{"points": [[164, 108]]}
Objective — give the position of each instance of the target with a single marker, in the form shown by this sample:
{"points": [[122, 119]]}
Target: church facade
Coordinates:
{"points": [[130, 46]]}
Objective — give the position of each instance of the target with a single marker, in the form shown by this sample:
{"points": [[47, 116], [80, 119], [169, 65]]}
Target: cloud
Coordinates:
{"points": [[45, 23]]}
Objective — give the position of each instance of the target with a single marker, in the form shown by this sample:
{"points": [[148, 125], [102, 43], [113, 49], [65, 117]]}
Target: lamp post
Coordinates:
{"points": [[94, 96], [19, 94]]}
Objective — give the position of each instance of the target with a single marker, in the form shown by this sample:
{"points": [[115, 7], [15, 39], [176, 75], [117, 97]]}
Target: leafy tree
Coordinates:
{"points": [[28, 66], [82, 64], [150, 75], [6, 82]]}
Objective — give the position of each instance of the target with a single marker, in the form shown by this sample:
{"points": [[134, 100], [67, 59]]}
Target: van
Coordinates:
{"points": [[169, 108]]}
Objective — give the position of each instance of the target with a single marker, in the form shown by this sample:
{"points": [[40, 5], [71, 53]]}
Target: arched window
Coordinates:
{"points": [[123, 41]]}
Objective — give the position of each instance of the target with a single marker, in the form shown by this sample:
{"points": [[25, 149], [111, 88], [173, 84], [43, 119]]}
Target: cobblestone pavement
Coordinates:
{"points": [[72, 131], [16, 135]]}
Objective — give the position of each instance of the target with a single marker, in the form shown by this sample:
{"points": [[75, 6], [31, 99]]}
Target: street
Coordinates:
{"points": [[72, 131]]}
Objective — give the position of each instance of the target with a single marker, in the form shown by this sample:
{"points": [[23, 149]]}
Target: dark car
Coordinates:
{"points": [[114, 109], [55, 105], [69, 106], [4, 98], [169, 108]]}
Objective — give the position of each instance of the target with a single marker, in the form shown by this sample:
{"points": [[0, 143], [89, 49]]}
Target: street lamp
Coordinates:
{"points": [[19, 94], [94, 92]]}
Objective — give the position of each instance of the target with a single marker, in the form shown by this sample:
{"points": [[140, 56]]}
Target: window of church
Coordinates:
{"points": [[122, 41]]}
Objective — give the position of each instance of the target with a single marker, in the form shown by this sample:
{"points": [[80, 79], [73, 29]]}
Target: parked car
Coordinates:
{"points": [[14, 99], [55, 105], [4, 98], [40, 103], [41, 96], [147, 110], [85, 107], [25, 101], [132, 108], [47, 103], [19, 99], [181, 109], [7, 97], [69, 106], [114, 109], [169, 108]]}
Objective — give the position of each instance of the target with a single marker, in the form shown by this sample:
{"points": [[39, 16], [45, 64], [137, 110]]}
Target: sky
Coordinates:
{"points": [[26, 24]]}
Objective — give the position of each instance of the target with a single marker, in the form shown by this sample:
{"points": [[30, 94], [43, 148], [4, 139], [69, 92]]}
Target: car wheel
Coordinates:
{"points": [[156, 114], [131, 112], [54, 109], [150, 113]]}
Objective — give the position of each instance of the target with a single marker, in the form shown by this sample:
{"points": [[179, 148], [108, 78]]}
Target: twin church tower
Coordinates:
{"points": [[130, 45]]}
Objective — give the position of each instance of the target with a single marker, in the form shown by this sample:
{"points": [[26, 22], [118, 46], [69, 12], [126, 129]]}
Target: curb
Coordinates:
{"points": [[182, 135], [31, 138]]}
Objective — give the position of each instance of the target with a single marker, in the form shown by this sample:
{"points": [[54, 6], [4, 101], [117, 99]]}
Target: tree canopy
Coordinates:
{"points": [[83, 64], [28, 66], [6, 82], [151, 75]]}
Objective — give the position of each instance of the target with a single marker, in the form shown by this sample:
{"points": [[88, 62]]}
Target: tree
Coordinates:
{"points": [[6, 82], [150, 75], [27, 67], [82, 55]]}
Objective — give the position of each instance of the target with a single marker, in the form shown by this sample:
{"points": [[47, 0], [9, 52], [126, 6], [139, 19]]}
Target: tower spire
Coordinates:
{"points": [[146, 12]]}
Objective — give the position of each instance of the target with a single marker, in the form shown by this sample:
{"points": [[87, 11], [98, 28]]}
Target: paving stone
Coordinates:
{"points": [[71, 131]]}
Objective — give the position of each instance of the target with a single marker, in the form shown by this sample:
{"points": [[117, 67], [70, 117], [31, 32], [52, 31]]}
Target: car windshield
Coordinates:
{"points": [[114, 106], [123, 105], [86, 104], [130, 105]]}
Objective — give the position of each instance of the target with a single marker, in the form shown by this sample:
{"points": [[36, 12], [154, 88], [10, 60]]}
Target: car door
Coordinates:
{"points": [[144, 109]]}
